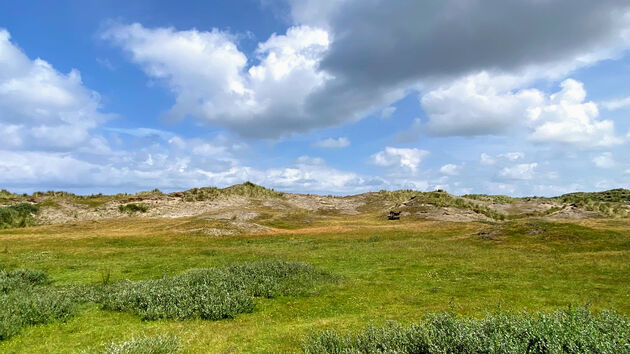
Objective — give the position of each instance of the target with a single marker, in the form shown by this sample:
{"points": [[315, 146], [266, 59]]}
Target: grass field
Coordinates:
{"points": [[384, 271]]}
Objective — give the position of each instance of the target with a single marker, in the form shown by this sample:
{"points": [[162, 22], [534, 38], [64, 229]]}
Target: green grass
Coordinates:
{"points": [[388, 272]]}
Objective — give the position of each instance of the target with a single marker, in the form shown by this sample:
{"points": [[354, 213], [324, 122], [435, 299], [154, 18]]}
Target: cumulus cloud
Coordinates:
{"points": [[41, 108], [604, 160], [382, 47], [450, 169], [399, 157], [333, 143], [472, 37], [567, 118], [524, 171], [486, 159], [478, 105], [483, 104], [211, 80]]}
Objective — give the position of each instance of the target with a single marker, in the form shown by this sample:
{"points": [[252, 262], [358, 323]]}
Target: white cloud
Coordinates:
{"points": [[483, 104], [604, 160], [613, 105], [524, 171], [567, 118], [41, 108], [388, 111], [513, 156], [478, 105], [450, 169], [486, 159], [399, 157], [332, 143], [211, 80]]}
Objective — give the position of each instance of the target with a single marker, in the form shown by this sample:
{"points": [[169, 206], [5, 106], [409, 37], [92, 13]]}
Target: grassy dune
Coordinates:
{"points": [[387, 271]]}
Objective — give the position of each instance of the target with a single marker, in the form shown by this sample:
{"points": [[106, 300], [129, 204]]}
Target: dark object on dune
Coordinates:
{"points": [[394, 215]]}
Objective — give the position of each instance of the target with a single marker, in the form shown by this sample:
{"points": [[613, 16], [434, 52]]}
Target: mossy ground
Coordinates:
{"points": [[388, 270]]}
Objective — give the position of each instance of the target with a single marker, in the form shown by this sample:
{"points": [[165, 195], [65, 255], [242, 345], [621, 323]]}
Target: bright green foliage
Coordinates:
{"points": [[18, 215], [162, 344], [564, 331], [212, 293], [133, 208]]}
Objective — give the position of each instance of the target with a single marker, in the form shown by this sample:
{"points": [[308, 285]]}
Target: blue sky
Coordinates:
{"points": [[329, 96]]}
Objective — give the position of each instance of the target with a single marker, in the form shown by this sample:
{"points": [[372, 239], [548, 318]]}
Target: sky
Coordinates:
{"points": [[528, 97]]}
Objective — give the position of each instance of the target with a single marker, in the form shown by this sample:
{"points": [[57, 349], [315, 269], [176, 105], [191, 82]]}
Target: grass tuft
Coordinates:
{"points": [[161, 344]]}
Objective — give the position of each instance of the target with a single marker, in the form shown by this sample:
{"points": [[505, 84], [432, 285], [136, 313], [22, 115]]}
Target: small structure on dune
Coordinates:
{"points": [[393, 215]]}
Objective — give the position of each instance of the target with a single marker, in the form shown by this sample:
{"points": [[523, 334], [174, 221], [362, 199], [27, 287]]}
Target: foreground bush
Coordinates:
{"points": [[20, 279], [213, 293], [564, 331], [145, 345], [30, 306], [18, 215]]}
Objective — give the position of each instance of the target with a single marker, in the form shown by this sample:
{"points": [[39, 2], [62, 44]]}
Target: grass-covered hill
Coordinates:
{"points": [[257, 205]]}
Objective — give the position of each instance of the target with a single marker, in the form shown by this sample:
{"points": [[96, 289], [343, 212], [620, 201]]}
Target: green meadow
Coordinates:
{"points": [[375, 272]]}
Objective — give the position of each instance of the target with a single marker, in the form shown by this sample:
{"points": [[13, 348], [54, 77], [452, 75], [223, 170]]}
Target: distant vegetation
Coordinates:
{"points": [[504, 199], [415, 200], [246, 189], [18, 215], [133, 208], [564, 331]]}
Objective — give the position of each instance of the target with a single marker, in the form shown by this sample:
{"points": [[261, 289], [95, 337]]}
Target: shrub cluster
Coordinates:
{"points": [[24, 302], [210, 294], [132, 208], [21, 279], [575, 330], [18, 215]]}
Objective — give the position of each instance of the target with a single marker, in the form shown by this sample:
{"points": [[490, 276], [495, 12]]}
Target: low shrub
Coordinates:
{"points": [[20, 279], [213, 293], [575, 330], [132, 208], [161, 344], [30, 306], [18, 215]]}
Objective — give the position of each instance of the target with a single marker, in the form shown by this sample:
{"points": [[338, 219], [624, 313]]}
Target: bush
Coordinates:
{"points": [[146, 345], [213, 293], [18, 215], [31, 306], [132, 208], [20, 279], [564, 331]]}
